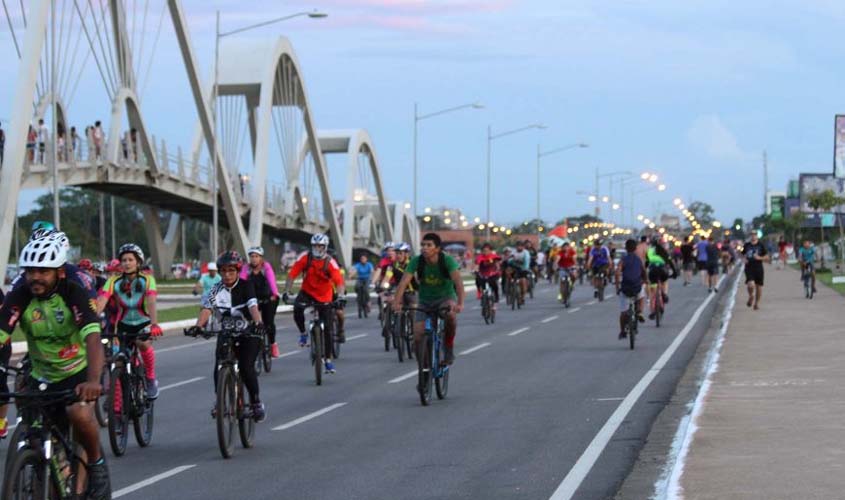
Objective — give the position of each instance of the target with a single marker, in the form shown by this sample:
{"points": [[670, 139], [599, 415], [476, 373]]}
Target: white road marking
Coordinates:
{"points": [[591, 302], [574, 310], [570, 484], [609, 399], [517, 332], [146, 482], [549, 319], [308, 417], [185, 346], [473, 349], [177, 384], [475, 308], [291, 353], [403, 377], [354, 337]]}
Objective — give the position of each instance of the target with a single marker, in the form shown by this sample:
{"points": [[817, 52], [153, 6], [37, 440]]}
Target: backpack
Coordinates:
{"points": [[325, 265], [441, 265]]}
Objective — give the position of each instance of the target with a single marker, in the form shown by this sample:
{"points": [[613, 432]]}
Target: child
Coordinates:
{"points": [[630, 277]]}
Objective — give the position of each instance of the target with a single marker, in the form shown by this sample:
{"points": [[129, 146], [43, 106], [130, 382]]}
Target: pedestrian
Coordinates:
{"points": [[31, 137], [781, 253], [133, 144], [701, 259], [74, 144], [98, 138], [712, 265], [755, 254], [42, 140], [688, 260]]}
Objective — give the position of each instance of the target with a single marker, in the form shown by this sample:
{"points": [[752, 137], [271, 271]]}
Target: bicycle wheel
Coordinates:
{"points": [[226, 410], [385, 331], [424, 378], [25, 478], [143, 415], [441, 383], [12, 449], [408, 333], [119, 407], [317, 353], [485, 308], [632, 328], [246, 425], [360, 302], [266, 355], [566, 292], [399, 337], [100, 409]]}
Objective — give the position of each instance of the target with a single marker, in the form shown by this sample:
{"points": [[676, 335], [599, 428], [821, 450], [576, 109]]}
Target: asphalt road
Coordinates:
{"points": [[524, 405]]}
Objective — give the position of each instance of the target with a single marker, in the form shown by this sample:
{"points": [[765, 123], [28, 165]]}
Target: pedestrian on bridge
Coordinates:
{"points": [[74, 143], [2, 143], [98, 138], [43, 133]]}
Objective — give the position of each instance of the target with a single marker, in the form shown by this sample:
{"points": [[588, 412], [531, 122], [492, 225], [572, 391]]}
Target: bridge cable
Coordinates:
{"points": [[84, 25], [143, 87]]}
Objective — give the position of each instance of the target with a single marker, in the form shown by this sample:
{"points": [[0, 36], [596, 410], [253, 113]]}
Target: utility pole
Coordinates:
{"points": [[765, 183]]}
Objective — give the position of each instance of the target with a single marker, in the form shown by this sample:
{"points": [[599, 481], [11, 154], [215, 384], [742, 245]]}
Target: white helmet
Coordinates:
{"points": [[403, 247], [319, 239], [388, 246], [257, 249], [45, 252]]}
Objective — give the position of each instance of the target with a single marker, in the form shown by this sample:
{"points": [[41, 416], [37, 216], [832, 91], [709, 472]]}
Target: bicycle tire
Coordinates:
{"points": [[332, 338], [143, 417], [485, 308], [492, 315], [100, 409], [266, 356], [118, 425], [632, 329], [385, 329], [441, 383], [425, 372], [399, 336], [317, 353], [226, 410], [12, 449], [409, 334], [246, 425], [29, 464]]}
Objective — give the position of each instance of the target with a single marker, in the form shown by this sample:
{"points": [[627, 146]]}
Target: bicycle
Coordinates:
{"points": [[631, 322], [46, 463], [21, 372], [432, 371], [322, 335], [387, 321], [406, 322], [362, 296], [230, 406], [264, 360], [807, 278], [101, 410], [600, 281], [127, 397], [488, 300], [566, 284], [657, 297], [530, 279]]}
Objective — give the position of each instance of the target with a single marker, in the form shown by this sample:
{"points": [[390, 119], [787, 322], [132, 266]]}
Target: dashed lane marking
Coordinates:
{"points": [[549, 319], [473, 349], [146, 482], [308, 417], [517, 332], [402, 377]]}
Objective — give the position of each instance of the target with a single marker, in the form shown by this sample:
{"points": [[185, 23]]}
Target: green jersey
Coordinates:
{"points": [[55, 328], [435, 284]]}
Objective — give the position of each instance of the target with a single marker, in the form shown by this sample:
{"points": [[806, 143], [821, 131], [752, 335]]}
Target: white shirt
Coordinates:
{"points": [[42, 133]]}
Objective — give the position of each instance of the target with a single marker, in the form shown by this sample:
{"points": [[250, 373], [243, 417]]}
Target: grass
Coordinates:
{"points": [[178, 313], [825, 276]]}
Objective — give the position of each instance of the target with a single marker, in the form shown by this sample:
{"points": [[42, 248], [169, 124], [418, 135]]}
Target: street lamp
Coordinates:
{"points": [[218, 35], [418, 118], [490, 138], [541, 154]]}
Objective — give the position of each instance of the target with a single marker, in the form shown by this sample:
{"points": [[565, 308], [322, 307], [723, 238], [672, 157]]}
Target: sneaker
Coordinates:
{"points": [[274, 350], [715, 290], [623, 334], [449, 358], [341, 336], [595, 294], [99, 487], [151, 386], [665, 299], [330, 367], [303, 340], [750, 300], [640, 318], [258, 412], [709, 290], [652, 316]]}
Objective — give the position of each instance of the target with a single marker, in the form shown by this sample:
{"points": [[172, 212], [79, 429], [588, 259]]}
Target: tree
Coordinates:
{"points": [[580, 220], [826, 200], [738, 228], [702, 212]]}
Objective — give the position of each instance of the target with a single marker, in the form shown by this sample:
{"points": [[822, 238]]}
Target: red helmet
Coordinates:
{"points": [[113, 266], [85, 265]]}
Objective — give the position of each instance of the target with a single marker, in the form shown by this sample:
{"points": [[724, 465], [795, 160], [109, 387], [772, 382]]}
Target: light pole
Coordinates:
{"points": [[490, 138], [218, 35], [541, 154], [417, 119]]}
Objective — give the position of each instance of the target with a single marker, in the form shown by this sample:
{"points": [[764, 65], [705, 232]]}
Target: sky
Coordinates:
{"points": [[694, 91]]}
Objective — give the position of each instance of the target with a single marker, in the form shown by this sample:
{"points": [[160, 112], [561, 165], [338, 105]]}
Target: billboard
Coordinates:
{"points": [[816, 183], [792, 190], [839, 146], [777, 204]]}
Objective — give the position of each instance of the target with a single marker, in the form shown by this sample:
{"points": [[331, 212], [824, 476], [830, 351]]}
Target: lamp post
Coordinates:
{"points": [[418, 118], [218, 35], [541, 154], [490, 138]]}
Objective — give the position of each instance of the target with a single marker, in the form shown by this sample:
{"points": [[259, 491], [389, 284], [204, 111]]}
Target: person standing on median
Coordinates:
{"points": [[755, 254], [208, 280]]}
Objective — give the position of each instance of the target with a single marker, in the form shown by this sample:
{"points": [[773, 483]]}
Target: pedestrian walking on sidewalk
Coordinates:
{"points": [[701, 260], [755, 254]]}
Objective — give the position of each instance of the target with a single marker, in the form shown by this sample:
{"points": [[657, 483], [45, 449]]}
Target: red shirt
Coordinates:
{"points": [[320, 280], [487, 264], [384, 263], [566, 258]]}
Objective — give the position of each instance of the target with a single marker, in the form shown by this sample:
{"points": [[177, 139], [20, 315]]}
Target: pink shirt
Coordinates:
{"points": [[267, 269]]}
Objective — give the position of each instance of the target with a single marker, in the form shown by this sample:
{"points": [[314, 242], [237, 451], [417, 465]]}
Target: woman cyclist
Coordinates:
{"points": [[657, 259], [134, 299], [260, 272]]}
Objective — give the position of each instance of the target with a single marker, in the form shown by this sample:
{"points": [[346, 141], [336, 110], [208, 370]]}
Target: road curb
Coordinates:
{"points": [[654, 457]]}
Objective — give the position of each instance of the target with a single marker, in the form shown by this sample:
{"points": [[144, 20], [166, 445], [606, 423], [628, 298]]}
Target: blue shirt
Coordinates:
{"points": [[632, 274], [521, 260], [701, 247], [364, 271], [808, 255], [601, 256]]}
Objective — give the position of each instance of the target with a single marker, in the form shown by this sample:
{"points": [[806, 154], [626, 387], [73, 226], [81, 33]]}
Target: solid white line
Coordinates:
{"points": [[403, 377], [177, 384], [146, 482], [517, 332], [549, 319], [473, 349], [609, 399], [185, 346], [309, 417], [582, 467], [356, 337], [574, 310]]}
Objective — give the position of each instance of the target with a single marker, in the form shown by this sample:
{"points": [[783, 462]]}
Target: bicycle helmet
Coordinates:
{"points": [[256, 249], [113, 266], [388, 246], [100, 267], [85, 265], [230, 258], [44, 252], [133, 249], [403, 247], [319, 239]]}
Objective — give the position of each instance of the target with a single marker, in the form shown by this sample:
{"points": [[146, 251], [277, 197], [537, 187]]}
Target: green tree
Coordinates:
{"points": [[825, 201], [738, 233], [702, 212]]}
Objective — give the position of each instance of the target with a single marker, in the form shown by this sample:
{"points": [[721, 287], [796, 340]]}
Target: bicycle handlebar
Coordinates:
{"points": [[207, 334]]}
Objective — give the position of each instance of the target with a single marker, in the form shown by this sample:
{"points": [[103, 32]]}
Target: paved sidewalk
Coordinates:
{"points": [[773, 423]]}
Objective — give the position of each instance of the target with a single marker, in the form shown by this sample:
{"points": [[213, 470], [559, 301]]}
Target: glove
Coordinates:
{"points": [[155, 331], [193, 331], [286, 297], [260, 329]]}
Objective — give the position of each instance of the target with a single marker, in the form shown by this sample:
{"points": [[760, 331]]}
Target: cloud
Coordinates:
{"points": [[709, 134]]}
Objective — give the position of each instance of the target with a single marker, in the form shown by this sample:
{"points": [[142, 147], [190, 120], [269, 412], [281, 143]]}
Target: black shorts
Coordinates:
{"points": [[713, 269], [701, 265], [58, 413], [657, 274], [689, 265], [754, 275]]}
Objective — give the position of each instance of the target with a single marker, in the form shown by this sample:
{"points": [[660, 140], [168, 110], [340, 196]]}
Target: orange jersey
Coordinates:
{"points": [[320, 278]]}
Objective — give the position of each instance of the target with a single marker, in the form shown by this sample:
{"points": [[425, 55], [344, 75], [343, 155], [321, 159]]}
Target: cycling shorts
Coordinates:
{"points": [[657, 274], [600, 269]]}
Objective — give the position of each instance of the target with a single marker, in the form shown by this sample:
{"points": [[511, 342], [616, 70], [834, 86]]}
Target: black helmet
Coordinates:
{"points": [[230, 258]]}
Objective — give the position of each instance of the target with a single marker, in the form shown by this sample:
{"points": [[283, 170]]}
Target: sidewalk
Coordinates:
{"points": [[772, 425]]}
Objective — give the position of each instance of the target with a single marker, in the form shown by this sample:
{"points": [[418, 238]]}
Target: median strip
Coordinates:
{"points": [[308, 417]]}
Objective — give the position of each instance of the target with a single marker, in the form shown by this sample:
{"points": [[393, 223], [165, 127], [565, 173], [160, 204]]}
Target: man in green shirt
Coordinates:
{"points": [[440, 284]]}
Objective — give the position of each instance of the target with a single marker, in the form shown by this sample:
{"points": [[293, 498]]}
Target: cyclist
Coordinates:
{"points": [[755, 253], [599, 263], [207, 280], [629, 279], [439, 277], [62, 332], [235, 297], [260, 272], [533, 253], [658, 259], [566, 266], [388, 255], [399, 267], [134, 295], [42, 229], [551, 261], [487, 270], [807, 259], [688, 260], [520, 263], [363, 270], [322, 278]]}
